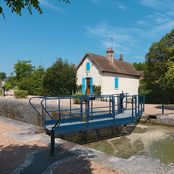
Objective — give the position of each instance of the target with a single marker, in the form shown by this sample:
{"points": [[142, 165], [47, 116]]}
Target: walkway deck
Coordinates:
{"points": [[108, 111]]}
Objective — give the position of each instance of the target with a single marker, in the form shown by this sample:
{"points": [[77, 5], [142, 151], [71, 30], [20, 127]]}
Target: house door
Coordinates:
{"points": [[87, 86]]}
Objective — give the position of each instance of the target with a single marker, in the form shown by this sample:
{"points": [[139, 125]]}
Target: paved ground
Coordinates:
{"points": [[151, 109], [24, 149]]}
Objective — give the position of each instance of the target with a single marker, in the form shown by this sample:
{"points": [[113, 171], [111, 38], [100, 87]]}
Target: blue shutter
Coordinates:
{"points": [[83, 85], [116, 82], [91, 85], [88, 66]]}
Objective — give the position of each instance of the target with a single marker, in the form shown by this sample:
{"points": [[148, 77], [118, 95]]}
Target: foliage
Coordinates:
{"points": [[7, 86], [20, 93], [77, 97], [33, 83], [60, 79], [12, 82], [79, 88], [2, 75], [23, 69], [17, 6], [139, 66], [168, 80], [158, 74], [97, 90]]}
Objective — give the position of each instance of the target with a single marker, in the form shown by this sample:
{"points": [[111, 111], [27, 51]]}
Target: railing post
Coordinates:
{"points": [[110, 100], [136, 107], [141, 104], [52, 141], [81, 108], [132, 108], [113, 108], [118, 104], [126, 101], [87, 108], [162, 108], [70, 107]]}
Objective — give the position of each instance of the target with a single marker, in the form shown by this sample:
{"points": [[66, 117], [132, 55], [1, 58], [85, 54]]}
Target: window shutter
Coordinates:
{"points": [[83, 85], [91, 85], [88, 66], [116, 82]]}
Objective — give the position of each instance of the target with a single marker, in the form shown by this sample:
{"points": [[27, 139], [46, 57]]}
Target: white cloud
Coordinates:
{"points": [[120, 6], [95, 1], [123, 39], [158, 4], [135, 40], [51, 6]]}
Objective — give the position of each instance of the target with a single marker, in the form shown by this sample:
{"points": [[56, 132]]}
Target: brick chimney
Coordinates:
{"points": [[110, 54], [121, 57]]}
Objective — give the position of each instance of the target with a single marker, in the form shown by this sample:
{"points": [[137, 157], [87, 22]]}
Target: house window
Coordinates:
{"points": [[116, 82], [88, 67]]}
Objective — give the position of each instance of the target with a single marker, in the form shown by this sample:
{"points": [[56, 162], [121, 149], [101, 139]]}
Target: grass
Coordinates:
{"points": [[102, 146]]}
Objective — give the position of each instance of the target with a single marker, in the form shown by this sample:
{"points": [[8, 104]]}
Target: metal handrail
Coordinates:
{"points": [[30, 101]]}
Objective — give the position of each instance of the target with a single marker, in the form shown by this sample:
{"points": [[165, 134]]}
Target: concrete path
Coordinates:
{"points": [[24, 149]]}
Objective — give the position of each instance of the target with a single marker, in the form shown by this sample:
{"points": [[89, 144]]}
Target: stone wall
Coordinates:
{"points": [[20, 109]]}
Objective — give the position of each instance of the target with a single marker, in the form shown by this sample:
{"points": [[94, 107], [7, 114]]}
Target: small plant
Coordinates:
{"points": [[97, 90], [77, 97], [79, 88], [8, 86], [20, 94]]}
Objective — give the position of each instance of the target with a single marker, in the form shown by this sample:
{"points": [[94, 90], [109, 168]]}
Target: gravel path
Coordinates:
{"points": [[24, 148]]}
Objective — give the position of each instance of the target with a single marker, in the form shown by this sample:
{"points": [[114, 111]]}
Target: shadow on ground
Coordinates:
{"points": [[34, 159], [99, 134], [166, 107]]}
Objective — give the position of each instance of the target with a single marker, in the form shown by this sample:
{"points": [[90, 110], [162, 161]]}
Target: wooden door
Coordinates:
{"points": [[87, 86]]}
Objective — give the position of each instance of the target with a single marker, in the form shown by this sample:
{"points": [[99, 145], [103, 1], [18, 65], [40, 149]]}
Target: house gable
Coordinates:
{"points": [[93, 72]]}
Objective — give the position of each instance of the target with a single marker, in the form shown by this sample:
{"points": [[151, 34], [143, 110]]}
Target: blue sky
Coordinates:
{"points": [[71, 30]]}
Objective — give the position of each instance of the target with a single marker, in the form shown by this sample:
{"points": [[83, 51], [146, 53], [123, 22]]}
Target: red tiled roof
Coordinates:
{"points": [[117, 67]]}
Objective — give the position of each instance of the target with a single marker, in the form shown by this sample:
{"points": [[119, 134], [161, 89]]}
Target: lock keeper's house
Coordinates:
{"points": [[113, 75]]}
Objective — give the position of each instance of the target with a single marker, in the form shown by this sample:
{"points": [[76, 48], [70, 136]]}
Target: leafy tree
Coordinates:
{"points": [[33, 83], [23, 69], [17, 6], [158, 73], [139, 66], [2, 75], [167, 81], [60, 79]]}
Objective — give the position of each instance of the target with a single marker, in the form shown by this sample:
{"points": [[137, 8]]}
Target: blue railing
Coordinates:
{"points": [[60, 114]]}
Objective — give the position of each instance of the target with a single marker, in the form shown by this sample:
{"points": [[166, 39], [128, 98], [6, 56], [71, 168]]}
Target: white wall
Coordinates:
{"points": [[128, 84], [94, 73]]}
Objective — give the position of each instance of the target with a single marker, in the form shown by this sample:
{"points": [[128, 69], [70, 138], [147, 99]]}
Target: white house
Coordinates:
{"points": [[113, 75]]}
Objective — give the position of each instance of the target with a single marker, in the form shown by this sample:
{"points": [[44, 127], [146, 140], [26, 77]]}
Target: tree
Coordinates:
{"points": [[17, 6], [33, 82], [2, 75], [139, 66], [167, 81], [60, 79], [23, 69], [158, 73]]}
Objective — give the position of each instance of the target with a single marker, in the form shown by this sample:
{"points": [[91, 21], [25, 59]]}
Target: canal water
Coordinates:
{"points": [[152, 141]]}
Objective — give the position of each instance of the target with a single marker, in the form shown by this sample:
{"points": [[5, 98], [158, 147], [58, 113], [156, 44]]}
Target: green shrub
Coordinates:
{"points": [[97, 90], [79, 88], [77, 97], [8, 86], [20, 93]]}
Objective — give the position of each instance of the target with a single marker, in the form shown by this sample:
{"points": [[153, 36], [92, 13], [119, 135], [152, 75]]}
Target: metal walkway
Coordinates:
{"points": [[61, 116]]}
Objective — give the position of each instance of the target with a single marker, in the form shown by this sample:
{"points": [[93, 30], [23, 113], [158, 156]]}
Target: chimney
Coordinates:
{"points": [[110, 55], [121, 57]]}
